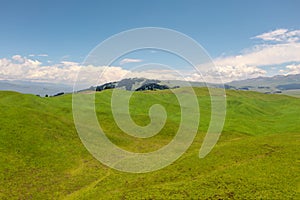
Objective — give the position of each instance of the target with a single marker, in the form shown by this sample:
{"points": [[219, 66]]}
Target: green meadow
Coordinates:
{"points": [[256, 157]]}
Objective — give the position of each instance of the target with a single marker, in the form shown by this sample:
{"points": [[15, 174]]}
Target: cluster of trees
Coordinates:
{"points": [[55, 95], [106, 86], [128, 83], [152, 86]]}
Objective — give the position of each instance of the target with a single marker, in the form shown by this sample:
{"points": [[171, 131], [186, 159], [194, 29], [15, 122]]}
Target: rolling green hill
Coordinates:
{"points": [[257, 156]]}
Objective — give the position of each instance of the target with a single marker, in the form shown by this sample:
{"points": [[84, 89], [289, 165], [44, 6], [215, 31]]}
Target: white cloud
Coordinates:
{"points": [[69, 63], [18, 58], [280, 35], [130, 60], [248, 64], [230, 68], [238, 72], [22, 68], [160, 74], [291, 69], [264, 55]]}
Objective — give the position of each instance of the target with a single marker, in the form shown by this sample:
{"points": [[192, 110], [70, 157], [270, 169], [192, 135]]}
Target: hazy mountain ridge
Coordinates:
{"points": [[125, 84], [275, 84], [38, 88], [271, 82], [137, 84], [289, 84]]}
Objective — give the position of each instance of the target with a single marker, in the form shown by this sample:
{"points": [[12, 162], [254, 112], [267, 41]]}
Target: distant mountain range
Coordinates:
{"points": [[37, 88], [275, 84], [289, 84], [133, 84], [270, 84]]}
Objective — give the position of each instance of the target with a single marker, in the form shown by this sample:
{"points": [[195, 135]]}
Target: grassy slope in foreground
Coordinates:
{"points": [[257, 155]]}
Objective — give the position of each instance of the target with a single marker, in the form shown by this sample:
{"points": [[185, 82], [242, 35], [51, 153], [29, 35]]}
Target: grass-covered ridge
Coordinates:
{"points": [[257, 155]]}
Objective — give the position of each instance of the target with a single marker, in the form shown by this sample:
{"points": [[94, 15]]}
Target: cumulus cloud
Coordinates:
{"points": [[238, 72], [130, 60], [264, 55], [22, 68], [160, 74], [284, 49], [291, 69], [18, 58]]}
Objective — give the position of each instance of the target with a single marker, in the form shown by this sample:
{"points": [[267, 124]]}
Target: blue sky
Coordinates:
{"points": [[54, 31]]}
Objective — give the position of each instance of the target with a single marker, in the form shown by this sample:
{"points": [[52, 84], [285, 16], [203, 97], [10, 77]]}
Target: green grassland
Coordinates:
{"points": [[257, 156]]}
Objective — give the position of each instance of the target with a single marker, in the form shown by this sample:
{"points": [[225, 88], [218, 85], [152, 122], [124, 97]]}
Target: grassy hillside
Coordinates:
{"points": [[257, 156]]}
